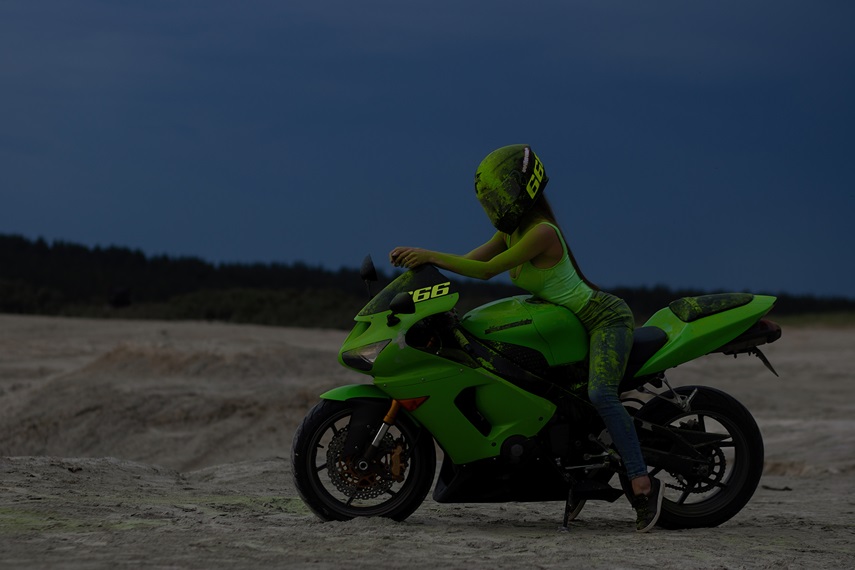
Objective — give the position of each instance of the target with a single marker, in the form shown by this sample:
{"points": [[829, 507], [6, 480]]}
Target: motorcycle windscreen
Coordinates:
{"points": [[423, 283]]}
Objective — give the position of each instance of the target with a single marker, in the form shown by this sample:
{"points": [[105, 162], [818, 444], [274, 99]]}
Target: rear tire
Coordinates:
{"points": [[332, 485], [734, 466]]}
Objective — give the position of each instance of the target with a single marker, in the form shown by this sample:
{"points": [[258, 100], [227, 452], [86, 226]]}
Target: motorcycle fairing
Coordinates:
{"points": [[552, 330], [505, 410], [706, 333], [470, 414]]}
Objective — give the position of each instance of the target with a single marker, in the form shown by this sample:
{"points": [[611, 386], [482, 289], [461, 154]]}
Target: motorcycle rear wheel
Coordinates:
{"points": [[735, 465], [333, 486]]}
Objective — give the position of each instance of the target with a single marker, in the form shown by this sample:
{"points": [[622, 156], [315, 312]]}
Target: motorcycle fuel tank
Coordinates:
{"points": [[523, 320]]}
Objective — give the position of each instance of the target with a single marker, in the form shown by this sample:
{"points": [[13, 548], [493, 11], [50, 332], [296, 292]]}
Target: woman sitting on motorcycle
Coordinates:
{"points": [[509, 184]]}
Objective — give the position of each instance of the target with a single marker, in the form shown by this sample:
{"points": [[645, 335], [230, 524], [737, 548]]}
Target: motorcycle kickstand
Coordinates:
{"points": [[569, 505], [374, 449]]}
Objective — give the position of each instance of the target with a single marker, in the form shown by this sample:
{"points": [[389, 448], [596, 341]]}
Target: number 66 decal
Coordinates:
{"points": [[425, 293]]}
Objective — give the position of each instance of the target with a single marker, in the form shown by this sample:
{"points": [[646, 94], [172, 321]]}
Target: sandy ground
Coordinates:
{"points": [[166, 445]]}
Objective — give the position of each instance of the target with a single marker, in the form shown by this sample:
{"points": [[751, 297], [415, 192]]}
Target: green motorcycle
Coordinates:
{"points": [[502, 391]]}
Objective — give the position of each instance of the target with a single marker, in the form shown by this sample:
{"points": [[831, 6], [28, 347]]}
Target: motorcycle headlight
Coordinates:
{"points": [[363, 358]]}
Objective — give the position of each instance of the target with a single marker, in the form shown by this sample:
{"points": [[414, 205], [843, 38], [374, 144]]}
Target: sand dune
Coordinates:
{"points": [[166, 444]]}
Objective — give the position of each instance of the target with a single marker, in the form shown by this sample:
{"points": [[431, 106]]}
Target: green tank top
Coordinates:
{"points": [[561, 284]]}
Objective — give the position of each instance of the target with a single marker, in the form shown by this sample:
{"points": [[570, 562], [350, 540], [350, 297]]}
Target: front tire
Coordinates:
{"points": [[722, 487], [335, 488]]}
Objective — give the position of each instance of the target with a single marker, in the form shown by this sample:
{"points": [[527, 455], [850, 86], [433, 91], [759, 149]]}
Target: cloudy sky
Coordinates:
{"points": [[692, 144]]}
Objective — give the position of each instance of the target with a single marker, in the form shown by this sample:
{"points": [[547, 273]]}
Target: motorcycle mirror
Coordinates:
{"points": [[368, 273], [402, 304], [367, 270]]}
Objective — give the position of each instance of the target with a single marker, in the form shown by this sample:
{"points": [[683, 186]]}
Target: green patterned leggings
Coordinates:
{"points": [[610, 325]]}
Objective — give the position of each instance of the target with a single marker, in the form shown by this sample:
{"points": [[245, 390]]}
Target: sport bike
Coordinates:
{"points": [[502, 392]]}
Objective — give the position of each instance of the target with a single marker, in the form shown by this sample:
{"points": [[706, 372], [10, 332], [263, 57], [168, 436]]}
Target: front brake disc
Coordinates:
{"points": [[353, 482]]}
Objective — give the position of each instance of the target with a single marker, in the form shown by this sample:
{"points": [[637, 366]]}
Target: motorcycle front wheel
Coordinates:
{"points": [[339, 486], [715, 491]]}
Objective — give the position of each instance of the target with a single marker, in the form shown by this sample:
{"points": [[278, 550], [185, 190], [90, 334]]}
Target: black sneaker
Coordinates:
{"points": [[648, 507]]}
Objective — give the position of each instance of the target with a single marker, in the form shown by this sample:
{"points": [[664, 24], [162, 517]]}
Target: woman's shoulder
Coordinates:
{"points": [[550, 234], [545, 227]]}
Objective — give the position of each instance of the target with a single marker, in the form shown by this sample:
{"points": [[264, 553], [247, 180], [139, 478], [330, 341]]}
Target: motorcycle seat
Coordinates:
{"points": [[690, 309], [645, 342]]}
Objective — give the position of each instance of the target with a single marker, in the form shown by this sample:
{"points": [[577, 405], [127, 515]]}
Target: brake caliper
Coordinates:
{"points": [[398, 465]]}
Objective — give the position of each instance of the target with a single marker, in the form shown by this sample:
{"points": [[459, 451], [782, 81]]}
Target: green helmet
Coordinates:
{"points": [[507, 183]]}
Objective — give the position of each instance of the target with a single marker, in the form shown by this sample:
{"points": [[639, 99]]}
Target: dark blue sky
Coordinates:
{"points": [[692, 144]]}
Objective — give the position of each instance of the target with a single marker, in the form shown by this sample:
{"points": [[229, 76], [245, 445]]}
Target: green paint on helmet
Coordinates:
{"points": [[507, 183]]}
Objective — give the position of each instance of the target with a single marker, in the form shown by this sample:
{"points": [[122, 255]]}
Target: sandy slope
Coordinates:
{"points": [[166, 444]]}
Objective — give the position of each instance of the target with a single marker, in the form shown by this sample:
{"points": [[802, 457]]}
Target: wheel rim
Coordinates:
{"points": [[722, 476], [351, 490]]}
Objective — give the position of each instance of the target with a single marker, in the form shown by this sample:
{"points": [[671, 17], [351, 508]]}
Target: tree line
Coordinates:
{"points": [[61, 278]]}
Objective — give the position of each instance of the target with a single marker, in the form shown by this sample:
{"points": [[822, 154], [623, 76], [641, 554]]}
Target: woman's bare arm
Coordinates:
{"points": [[476, 263]]}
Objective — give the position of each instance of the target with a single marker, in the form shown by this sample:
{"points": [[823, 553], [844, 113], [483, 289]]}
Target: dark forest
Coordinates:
{"points": [[66, 279]]}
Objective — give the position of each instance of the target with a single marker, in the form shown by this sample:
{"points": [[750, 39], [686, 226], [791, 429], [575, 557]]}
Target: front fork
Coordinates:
{"points": [[374, 450]]}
